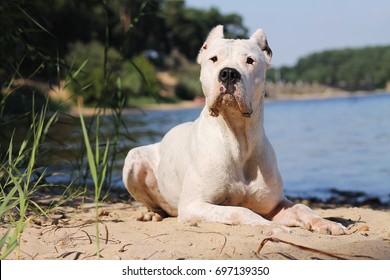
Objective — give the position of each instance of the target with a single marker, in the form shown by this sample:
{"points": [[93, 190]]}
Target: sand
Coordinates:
{"points": [[69, 234]]}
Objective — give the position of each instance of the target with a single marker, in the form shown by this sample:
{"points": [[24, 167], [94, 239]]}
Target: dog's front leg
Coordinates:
{"points": [[290, 214], [197, 211]]}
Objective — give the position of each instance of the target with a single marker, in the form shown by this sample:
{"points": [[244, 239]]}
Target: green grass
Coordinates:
{"points": [[19, 180], [98, 163], [21, 177]]}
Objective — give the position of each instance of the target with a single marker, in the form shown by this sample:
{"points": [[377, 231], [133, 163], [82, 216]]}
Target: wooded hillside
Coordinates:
{"points": [[351, 69], [102, 41], [110, 52]]}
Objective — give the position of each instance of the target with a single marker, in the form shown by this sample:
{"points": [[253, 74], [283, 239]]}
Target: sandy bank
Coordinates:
{"points": [[70, 234]]}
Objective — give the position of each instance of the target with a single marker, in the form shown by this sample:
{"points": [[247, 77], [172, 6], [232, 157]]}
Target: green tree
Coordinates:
{"points": [[37, 35], [188, 27], [359, 68]]}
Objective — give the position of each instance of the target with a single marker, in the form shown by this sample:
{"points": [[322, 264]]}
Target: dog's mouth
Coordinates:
{"points": [[229, 99]]}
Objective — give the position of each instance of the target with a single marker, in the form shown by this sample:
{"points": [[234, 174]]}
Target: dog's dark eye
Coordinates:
{"points": [[250, 60], [214, 59]]}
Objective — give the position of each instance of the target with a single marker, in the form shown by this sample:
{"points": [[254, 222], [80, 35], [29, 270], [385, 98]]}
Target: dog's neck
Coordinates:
{"points": [[241, 135]]}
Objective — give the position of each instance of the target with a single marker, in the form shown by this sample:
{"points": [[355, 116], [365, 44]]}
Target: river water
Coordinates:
{"points": [[341, 144], [325, 145], [321, 145]]}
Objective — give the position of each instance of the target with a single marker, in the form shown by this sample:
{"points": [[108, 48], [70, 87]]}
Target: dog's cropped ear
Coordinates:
{"points": [[216, 32], [260, 38]]}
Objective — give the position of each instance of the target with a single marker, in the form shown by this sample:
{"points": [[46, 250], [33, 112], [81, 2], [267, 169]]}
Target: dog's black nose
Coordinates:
{"points": [[229, 75]]}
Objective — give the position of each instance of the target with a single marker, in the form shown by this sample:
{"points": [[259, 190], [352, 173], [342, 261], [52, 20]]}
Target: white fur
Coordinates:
{"points": [[221, 167]]}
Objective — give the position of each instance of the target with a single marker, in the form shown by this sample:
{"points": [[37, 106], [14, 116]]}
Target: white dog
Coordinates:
{"points": [[221, 167]]}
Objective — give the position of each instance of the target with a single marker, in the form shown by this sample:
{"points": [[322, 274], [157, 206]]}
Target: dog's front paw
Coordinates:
{"points": [[273, 229], [149, 216], [323, 226]]}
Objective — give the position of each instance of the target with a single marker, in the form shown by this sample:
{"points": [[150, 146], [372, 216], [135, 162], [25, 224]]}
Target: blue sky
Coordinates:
{"points": [[297, 28]]}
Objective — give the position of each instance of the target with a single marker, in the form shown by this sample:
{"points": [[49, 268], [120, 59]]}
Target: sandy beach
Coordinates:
{"points": [[69, 233]]}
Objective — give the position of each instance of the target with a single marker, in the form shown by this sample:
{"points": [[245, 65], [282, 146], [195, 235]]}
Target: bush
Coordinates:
{"points": [[91, 82], [22, 99], [188, 88], [140, 78], [99, 84]]}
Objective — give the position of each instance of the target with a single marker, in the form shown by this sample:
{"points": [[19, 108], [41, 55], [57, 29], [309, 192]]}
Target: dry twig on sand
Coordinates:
{"points": [[336, 256]]}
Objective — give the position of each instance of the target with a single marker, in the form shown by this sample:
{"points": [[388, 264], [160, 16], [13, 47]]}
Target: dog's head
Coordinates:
{"points": [[233, 71]]}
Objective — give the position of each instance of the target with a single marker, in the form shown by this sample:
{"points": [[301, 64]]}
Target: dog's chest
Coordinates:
{"points": [[250, 194]]}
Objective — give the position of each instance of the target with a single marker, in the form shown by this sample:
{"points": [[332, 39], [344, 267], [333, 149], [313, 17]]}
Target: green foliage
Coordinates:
{"points": [[360, 68], [188, 27], [22, 99], [55, 37], [98, 164], [20, 179], [28, 48], [138, 75], [91, 82], [188, 88]]}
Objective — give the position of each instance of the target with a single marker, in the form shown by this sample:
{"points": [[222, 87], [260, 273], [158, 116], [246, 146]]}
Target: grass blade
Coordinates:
{"points": [[90, 156]]}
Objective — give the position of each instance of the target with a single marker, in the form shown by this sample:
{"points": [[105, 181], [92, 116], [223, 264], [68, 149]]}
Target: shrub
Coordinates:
{"points": [[22, 99], [91, 82], [139, 77], [188, 88], [98, 83]]}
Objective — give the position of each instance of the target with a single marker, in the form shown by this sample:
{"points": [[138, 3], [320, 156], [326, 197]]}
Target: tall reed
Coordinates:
{"points": [[97, 162], [20, 180]]}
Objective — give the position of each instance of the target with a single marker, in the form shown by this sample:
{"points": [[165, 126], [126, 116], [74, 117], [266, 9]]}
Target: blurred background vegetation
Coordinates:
{"points": [[48, 40], [365, 68], [150, 45]]}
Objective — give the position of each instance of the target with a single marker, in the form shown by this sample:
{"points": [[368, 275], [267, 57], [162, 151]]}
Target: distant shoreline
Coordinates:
{"points": [[324, 96], [87, 111]]}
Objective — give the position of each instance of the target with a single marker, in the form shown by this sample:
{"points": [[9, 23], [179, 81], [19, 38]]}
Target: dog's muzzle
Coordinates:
{"points": [[229, 78]]}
